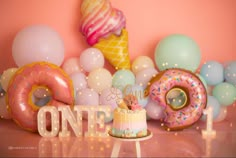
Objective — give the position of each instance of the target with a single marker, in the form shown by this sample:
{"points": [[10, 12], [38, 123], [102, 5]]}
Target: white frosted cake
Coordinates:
{"points": [[129, 119]]}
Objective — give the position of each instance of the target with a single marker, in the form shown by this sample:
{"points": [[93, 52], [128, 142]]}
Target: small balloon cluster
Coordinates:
{"points": [[95, 85], [91, 80], [220, 81], [104, 30]]}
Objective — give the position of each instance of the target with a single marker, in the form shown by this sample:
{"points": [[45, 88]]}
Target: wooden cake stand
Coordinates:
{"points": [[118, 141]]}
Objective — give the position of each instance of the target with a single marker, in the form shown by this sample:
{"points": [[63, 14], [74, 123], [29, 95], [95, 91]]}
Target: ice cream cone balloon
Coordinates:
{"points": [[104, 28], [115, 50]]}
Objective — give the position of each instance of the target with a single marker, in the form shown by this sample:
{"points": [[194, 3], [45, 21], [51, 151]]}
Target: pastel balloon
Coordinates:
{"points": [[145, 75], [214, 103], [3, 108], [71, 65], [87, 97], [230, 73], [212, 72], [99, 79], [91, 59], [122, 78], [155, 111], [38, 43], [79, 81], [138, 92], [177, 51], [6, 77], [203, 80], [110, 96], [209, 90], [106, 119], [142, 62], [225, 93], [222, 115]]}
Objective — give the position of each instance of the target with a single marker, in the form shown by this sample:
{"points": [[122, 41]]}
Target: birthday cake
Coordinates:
{"points": [[129, 119]]}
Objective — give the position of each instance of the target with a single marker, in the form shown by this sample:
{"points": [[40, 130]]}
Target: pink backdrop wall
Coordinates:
{"points": [[212, 23]]}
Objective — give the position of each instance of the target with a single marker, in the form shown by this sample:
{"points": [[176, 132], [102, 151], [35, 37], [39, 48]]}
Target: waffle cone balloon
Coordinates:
{"points": [[115, 50], [104, 27]]}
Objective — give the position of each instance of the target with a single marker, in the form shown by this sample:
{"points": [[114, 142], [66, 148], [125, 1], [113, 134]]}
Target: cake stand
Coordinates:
{"points": [[118, 141]]}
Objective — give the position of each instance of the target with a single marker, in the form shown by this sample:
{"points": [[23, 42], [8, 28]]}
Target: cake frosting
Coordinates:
{"points": [[129, 120]]}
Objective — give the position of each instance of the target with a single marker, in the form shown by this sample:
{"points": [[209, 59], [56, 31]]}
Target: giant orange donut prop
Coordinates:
{"points": [[28, 79], [178, 82]]}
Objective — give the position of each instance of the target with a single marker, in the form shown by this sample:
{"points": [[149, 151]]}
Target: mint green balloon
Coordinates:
{"points": [[122, 78], [177, 51], [225, 93]]}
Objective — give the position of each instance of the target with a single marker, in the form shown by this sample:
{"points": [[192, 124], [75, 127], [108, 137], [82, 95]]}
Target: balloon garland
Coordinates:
{"points": [[104, 29]]}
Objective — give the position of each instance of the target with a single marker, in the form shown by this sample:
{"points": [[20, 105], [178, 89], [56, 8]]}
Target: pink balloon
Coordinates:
{"points": [[3, 108], [38, 43], [222, 115], [79, 81], [71, 65], [91, 59], [110, 96], [145, 75], [87, 97], [154, 111]]}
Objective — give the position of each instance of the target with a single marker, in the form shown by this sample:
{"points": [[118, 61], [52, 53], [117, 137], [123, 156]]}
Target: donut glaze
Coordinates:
{"points": [[194, 89], [26, 80]]}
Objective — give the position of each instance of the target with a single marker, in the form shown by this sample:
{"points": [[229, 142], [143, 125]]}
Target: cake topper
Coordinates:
{"points": [[129, 102]]}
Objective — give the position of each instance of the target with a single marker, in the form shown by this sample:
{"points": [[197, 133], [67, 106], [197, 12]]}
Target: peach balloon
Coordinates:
{"points": [[71, 65], [142, 62], [99, 79], [6, 77]]}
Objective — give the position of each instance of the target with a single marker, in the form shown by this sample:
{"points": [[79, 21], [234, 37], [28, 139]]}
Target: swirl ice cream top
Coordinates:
{"points": [[100, 20]]}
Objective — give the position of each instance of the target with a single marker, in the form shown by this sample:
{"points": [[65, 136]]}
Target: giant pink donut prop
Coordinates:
{"points": [[29, 78], [189, 83]]}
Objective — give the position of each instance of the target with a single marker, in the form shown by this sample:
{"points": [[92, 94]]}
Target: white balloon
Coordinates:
{"points": [[38, 43], [91, 59]]}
